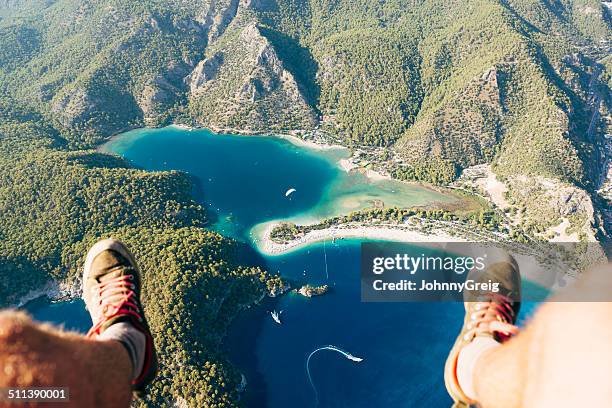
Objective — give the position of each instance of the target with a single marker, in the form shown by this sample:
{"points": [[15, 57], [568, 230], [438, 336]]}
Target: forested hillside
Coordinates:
{"points": [[55, 203], [443, 85]]}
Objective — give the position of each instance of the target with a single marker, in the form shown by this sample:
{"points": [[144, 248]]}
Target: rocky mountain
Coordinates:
{"points": [[522, 85], [245, 86]]}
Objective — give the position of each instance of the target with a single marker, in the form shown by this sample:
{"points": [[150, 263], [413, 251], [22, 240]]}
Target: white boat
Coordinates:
{"points": [[352, 357], [276, 316], [290, 191]]}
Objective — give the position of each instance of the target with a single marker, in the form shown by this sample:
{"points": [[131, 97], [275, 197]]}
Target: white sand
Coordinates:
{"points": [[298, 141], [181, 126], [374, 175], [530, 267], [389, 232], [348, 165]]}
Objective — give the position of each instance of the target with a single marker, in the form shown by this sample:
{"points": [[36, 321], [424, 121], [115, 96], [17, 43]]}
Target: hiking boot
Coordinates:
{"points": [[111, 291], [487, 313]]}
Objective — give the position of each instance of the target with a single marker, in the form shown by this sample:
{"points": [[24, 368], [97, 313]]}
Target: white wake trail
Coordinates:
{"points": [[346, 354]]}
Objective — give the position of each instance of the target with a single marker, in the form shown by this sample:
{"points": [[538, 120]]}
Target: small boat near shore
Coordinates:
{"points": [[276, 316]]}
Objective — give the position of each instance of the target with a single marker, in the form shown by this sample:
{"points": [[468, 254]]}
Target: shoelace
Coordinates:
{"points": [[115, 297], [493, 316]]}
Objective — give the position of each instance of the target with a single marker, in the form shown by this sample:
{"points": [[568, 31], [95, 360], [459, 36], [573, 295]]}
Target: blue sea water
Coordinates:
{"points": [[71, 315], [403, 345], [242, 181]]}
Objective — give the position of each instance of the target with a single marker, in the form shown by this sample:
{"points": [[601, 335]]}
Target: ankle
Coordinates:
{"points": [[468, 360], [132, 339]]}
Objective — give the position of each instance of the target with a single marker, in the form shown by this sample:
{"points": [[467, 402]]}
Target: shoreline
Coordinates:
{"points": [[308, 143], [292, 138], [532, 269], [346, 164], [55, 291], [114, 136], [267, 247]]}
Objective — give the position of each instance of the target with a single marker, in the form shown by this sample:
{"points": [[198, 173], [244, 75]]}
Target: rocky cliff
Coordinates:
{"points": [[245, 85]]}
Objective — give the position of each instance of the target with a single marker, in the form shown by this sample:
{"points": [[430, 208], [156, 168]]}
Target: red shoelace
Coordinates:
{"points": [[112, 298], [493, 316]]}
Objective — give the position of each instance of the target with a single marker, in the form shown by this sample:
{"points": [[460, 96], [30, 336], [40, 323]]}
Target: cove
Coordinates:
{"points": [[243, 181]]}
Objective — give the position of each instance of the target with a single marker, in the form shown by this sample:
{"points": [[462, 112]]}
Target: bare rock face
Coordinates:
{"points": [[206, 70], [161, 92], [246, 87], [156, 96], [565, 199], [266, 66], [73, 106], [546, 200], [571, 200], [267, 71], [217, 17], [253, 90]]}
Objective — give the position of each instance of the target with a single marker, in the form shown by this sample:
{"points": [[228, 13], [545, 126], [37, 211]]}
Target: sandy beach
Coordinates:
{"points": [[347, 165], [381, 232], [298, 141], [531, 268]]}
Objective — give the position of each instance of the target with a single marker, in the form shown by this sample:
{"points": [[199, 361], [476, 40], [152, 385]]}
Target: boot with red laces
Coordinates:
{"points": [[111, 291], [487, 314]]}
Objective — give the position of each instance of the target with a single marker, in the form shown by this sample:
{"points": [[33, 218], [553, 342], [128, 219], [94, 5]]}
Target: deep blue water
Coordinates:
{"points": [[243, 181], [403, 345], [71, 315]]}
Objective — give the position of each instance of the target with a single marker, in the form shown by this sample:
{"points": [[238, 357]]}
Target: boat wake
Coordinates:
{"points": [[346, 354]]}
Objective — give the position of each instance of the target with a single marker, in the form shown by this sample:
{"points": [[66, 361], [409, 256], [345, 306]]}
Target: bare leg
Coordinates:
{"points": [[97, 373], [563, 357]]}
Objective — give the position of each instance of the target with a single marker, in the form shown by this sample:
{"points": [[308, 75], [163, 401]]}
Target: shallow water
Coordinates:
{"points": [[242, 181]]}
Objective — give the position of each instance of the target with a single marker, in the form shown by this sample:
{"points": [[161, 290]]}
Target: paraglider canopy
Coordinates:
{"points": [[290, 191]]}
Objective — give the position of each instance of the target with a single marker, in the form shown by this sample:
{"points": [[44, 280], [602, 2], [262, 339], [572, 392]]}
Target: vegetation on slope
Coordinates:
{"points": [[192, 289], [56, 203], [446, 85], [94, 69]]}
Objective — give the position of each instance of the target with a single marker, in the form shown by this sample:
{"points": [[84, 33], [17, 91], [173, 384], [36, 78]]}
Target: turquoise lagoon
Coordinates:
{"points": [[243, 181]]}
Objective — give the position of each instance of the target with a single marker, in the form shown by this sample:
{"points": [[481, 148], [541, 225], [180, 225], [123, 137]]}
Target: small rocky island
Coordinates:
{"points": [[310, 291]]}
